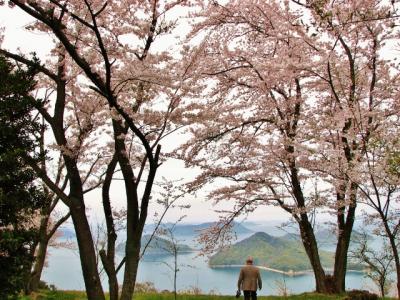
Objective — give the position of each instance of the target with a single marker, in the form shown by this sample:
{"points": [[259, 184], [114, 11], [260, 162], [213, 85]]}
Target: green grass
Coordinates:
{"points": [[79, 295], [212, 297], [56, 295]]}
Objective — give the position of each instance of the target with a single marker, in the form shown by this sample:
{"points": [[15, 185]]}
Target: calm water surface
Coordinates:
{"points": [[64, 272]]}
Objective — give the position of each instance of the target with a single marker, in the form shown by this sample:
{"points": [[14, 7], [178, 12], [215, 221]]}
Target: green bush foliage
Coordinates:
{"points": [[20, 199]]}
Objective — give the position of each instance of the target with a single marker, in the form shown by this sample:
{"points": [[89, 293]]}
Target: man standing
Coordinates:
{"points": [[249, 280]]}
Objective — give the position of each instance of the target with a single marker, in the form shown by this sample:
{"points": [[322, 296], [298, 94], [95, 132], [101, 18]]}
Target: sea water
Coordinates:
{"points": [[64, 271]]}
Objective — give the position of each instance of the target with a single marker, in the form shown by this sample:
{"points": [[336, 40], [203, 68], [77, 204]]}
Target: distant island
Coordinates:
{"points": [[193, 230], [281, 254], [284, 253], [157, 247]]}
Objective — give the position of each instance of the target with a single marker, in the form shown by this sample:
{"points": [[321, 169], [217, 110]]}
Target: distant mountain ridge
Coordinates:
{"points": [[67, 233], [195, 229], [157, 246], [280, 253]]}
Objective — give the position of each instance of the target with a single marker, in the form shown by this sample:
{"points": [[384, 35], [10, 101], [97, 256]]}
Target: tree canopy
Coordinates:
{"points": [[20, 198]]}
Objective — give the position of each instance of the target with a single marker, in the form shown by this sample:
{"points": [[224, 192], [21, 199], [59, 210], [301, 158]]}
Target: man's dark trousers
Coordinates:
{"points": [[250, 295]]}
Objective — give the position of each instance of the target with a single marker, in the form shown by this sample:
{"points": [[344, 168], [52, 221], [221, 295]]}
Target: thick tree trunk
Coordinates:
{"points": [[133, 230], [306, 229], [87, 254], [38, 265], [345, 224], [38, 258], [340, 267], [341, 253], [311, 247], [76, 203], [109, 267], [39, 250], [113, 286], [339, 272], [132, 252]]}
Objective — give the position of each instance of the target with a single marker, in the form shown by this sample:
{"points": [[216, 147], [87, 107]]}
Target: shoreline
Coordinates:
{"points": [[288, 273]]}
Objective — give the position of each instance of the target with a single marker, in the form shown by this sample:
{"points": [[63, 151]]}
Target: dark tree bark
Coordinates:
{"points": [[345, 222], [391, 234], [41, 249], [75, 202], [87, 253], [108, 258], [311, 247], [308, 237], [305, 226]]}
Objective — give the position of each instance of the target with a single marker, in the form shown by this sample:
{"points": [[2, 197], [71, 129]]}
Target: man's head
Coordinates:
{"points": [[249, 260]]}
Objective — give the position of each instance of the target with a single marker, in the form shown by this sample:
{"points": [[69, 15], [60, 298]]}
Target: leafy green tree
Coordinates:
{"points": [[20, 198]]}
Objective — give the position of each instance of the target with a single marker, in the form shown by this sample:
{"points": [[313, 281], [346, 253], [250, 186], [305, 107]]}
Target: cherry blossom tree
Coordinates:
{"points": [[114, 93], [379, 188], [295, 88], [64, 130]]}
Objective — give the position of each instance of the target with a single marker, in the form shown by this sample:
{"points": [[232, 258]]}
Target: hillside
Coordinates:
{"points": [[157, 246], [285, 254]]}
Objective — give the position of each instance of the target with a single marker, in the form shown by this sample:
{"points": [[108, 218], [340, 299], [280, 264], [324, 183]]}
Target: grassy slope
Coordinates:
{"points": [[78, 295]]}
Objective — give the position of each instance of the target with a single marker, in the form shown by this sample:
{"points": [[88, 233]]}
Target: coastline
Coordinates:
{"points": [[288, 273]]}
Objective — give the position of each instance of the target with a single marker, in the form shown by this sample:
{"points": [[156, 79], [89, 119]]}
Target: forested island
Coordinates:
{"points": [[283, 254]]}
